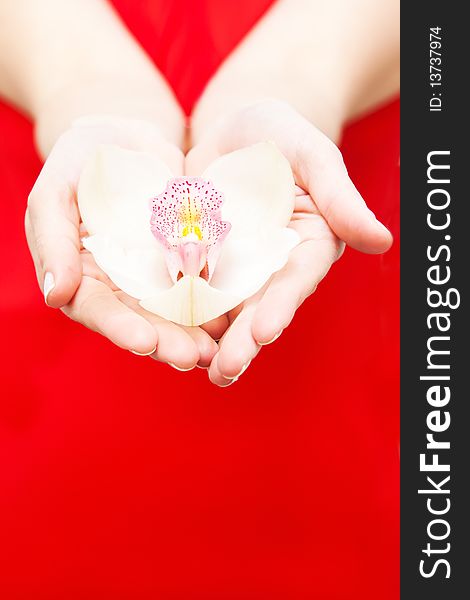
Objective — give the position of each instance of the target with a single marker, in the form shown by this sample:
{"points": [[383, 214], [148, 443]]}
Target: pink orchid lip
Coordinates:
{"points": [[193, 255], [186, 220]]}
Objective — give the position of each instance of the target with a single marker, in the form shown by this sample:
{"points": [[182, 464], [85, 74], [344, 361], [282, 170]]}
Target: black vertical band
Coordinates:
{"points": [[435, 195]]}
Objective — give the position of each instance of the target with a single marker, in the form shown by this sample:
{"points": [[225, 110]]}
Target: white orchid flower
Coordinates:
{"points": [[189, 248]]}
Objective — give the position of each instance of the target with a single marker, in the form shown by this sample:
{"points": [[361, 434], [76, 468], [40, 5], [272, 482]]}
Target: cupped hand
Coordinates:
{"points": [[329, 212], [67, 273]]}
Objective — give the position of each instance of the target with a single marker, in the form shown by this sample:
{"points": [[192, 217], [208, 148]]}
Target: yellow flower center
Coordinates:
{"points": [[187, 229], [190, 218]]}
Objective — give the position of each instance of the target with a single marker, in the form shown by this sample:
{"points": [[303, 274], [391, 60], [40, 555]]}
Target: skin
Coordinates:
{"points": [[100, 70], [58, 68], [268, 90], [319, 173], [82, 290]]}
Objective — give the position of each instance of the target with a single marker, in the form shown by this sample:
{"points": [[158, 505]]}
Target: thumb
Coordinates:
{"points": [[340, 203], [52, 231]]}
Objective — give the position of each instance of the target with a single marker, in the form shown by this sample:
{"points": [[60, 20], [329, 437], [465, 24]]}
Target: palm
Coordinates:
{"points": [[328, 209], [261, 318], [84, 292]]}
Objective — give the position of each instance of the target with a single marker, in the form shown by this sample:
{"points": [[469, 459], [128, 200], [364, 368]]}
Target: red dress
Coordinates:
{"points": [[123, 479]]}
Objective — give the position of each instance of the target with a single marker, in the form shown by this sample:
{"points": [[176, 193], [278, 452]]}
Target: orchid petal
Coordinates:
{"points": [[251, 189], [247, 263], [258, 188], [139, 271], [113, 194], [191, 301]]}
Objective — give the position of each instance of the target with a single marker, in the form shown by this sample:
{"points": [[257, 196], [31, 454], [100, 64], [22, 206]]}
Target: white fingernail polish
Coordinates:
{"points": [[230, 382], [49, 285], [143, 353], [244, 368], [271, 341], [179, 368]]}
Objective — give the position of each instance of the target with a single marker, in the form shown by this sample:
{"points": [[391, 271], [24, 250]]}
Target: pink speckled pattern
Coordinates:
{"points": [[189, 209]]}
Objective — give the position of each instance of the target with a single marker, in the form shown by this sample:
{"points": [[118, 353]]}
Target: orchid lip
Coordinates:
{"points": [[193, 256], [186, 220]]}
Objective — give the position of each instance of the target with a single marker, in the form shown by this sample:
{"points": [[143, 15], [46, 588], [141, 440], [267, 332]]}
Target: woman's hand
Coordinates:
{"points": [[60, 61], [330, 61], [260, 320], [68, 274], [329, 211]]}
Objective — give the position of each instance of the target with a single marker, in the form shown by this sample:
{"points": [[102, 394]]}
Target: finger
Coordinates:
{"points": [[206, 345], [321, 170], [98, 308], [237, 348], [217, 327], [216, 377], [51, 224], [175, 345], [307, 265]]}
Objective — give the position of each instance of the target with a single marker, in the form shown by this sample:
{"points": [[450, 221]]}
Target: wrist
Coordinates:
{"points": [[328, 115], [149, 101]]}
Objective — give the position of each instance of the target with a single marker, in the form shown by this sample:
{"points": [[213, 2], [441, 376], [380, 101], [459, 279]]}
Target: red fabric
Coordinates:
{"points": [[123, 479]]}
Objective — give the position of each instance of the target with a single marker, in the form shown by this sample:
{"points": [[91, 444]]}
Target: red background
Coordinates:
{"points": [[123, 479]]}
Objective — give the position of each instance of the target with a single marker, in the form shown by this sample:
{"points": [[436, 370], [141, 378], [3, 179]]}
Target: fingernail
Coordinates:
{"points": [[143, 353], [199, 367], [230, 382], [271, 341], [179, 368], [49, 285], [244, 368]]}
